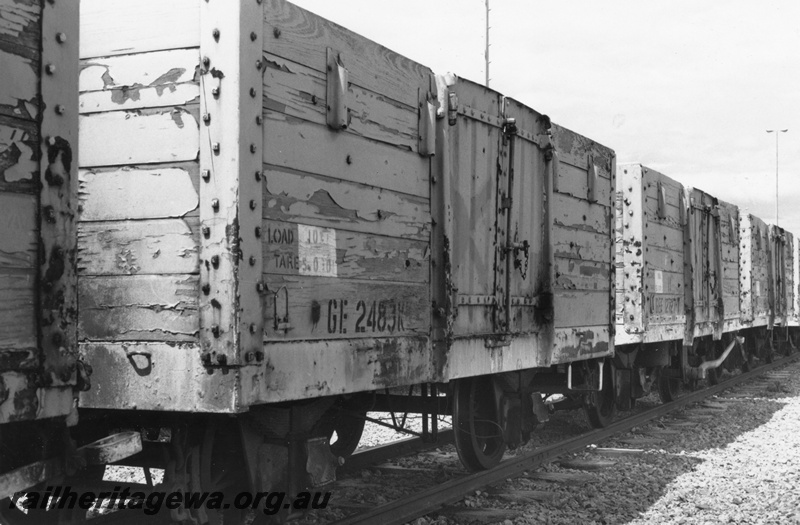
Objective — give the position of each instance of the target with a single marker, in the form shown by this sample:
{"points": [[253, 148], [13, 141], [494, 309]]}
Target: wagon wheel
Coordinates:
{"points": [[213, 462], [600, 407], [668, 387], [343, 428], [478, 436]]}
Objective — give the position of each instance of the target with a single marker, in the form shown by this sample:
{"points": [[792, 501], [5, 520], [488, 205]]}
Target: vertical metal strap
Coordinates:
{"points": [[231, 160], [58, 300]]}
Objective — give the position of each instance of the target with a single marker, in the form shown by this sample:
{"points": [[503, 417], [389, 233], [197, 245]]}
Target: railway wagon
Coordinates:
{"points": [[282, 220], [40, 371], [692, 273]]}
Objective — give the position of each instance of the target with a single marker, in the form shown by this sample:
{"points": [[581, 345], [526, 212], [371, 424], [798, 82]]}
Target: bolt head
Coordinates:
{"points": [[206, 117], [206, 175], [215, 34], [258, 232], [253, 204], [60, 109], [252, 260], [50, 69], [215, 204], [258, 120], [253, 36], [61, 38]]}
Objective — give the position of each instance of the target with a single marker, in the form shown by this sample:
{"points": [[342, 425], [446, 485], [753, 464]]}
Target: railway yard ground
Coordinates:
{"points": [[733, 458]]}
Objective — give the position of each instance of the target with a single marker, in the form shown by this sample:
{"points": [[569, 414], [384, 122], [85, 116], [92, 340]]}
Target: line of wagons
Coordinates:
{"points": [[232, 229]]}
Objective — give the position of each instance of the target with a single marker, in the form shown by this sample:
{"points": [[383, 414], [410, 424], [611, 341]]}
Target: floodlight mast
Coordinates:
{"points": [[777, 195]]}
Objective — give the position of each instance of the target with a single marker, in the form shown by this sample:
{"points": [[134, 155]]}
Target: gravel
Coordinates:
{"points": [[734, 460]]}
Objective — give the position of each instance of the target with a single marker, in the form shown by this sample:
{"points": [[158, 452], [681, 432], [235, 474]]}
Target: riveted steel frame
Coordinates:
{"points": [[58, 299], [630, 255], [231, 139]]}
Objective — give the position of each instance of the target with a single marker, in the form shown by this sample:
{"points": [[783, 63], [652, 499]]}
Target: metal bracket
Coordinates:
{"points": [[427, 124], [592, 174], [337, 91]]}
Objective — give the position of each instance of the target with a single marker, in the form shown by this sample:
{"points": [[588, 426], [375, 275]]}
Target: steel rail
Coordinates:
{"points": [[380, 453], [411, 507]]}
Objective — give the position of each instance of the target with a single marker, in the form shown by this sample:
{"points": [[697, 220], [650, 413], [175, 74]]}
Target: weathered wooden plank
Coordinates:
{"points": [[357, 255], [295, 144], [17, 313], [581, 308], [330, 308], [663, 259], [138, 192], [570, 214], [576, 149], [19, 96], [572, 274], [664, 237], [326, 202], [139, 137], [302, 37], [19, 146], [138, 247], [298, 91], [20, 23], [19, 227], [138, 308], [119, 27], [583, 245], [661, 281], [574, 181], [144, 80]]}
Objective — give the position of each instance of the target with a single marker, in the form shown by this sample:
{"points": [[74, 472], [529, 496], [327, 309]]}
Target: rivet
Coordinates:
{"points": [[206, 117], [206, 175], [258, 65], [215, 204], [249, 356], [215, 34], [258, 232], [215, 147], [253, 92], [61, 38], [215, 261], [50, 69], [252, 204], [258, 120], [314, 99], [260, 287], [258, 175], [215, 330], [206, 61], [206, 289], [252, 331], [253, 36], [222, 359], [215, 92], [276, 32], [59, 109], [252, 260], [259, 355], [349, 159], [206, 231], [252, 148]]}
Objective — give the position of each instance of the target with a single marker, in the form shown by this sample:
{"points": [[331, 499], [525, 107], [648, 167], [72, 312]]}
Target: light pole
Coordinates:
{"points": [[777, 134]]}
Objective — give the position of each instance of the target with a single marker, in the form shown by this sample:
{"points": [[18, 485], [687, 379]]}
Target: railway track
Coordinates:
{"points": [[422, 503]]}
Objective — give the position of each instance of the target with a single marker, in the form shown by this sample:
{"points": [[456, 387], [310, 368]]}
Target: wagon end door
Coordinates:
{"points": [[471, 173]]}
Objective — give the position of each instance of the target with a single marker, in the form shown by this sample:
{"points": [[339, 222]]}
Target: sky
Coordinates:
{"points": [[688, 88]]}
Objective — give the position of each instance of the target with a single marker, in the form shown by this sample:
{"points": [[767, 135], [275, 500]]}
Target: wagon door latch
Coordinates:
{"points": [[281, 324]]}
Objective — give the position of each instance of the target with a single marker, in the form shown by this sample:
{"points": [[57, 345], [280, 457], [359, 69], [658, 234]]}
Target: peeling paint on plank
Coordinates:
{"points": [[138, 137], [138, 247], [298, 91], [139, 307], [19, 142], [19, 227], [17, 311], [358, 255], [137, 193], [288, 141], [19, 97], [294, 197]]}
